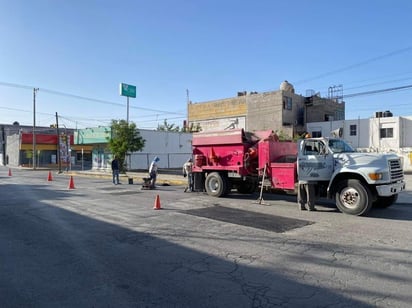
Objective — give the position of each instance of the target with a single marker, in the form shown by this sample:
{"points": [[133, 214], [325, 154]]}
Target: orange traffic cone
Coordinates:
{"points": [[157, 203], [71, 183], [50, 178], [9, 172]]}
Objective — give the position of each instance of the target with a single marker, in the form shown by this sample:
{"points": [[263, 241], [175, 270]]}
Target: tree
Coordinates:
{"points": [[283, 136], [125, 138], [166, 127]]}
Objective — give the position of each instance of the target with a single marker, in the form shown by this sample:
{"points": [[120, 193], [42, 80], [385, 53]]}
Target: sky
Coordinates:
{"points": [[77, 52]]}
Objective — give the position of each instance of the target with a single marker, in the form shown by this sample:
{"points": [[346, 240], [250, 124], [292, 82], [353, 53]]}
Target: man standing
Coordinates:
{"points": [[187, 172], [115, 170], [306, 195], [306, 190], [153, 172]]}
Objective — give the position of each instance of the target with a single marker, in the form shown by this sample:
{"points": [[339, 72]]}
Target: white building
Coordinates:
{"points": [[173, 149], [383, 133]]}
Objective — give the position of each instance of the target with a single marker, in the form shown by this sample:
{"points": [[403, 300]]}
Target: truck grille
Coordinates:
{"points": [[395, 169]]}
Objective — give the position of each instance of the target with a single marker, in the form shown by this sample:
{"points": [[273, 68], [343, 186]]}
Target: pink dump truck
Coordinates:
{"points": [[235, 159]]}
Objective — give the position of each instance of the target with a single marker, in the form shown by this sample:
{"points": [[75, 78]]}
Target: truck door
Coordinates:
{"points": [[315, 163]]}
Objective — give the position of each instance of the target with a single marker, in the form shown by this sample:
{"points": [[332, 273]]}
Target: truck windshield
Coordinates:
{"points": [[339, 146]]}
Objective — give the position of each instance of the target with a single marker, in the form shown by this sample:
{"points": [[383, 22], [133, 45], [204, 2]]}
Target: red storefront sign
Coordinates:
{"points": [[41, 139]]}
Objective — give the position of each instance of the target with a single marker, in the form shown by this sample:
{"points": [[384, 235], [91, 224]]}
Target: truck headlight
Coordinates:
{"points": [[375, 176]]}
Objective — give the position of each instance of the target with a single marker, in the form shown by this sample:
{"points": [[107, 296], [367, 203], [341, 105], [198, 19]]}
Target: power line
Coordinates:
{"points": [[15, 85], [356, 82], [90, 122], [22, 110], [356, 65], [377, 83], [377, 91], [82, 120], [7, 84], [85, 120]]}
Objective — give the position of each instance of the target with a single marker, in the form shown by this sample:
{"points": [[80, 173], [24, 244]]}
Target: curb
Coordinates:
{"points": [[137, 178]]}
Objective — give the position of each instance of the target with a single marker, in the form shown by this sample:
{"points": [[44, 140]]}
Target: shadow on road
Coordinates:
{"points": [[57, 257]]}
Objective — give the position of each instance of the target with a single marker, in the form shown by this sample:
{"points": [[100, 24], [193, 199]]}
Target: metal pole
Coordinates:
{"points": [[130, 158], [59, 163], [186, 129], [127, 110], [67, 149], [68, 152], [34, 127]]}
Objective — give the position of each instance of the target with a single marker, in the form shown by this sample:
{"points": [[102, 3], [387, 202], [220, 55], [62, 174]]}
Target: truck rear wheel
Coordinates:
{"points": [[215, 185], [352, 197], [384, 202]]}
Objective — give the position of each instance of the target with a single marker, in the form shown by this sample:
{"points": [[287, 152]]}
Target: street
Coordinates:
{"points": [[104, 245]]}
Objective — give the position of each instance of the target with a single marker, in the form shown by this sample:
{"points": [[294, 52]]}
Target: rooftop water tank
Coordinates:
{"points": [[287, 87]]}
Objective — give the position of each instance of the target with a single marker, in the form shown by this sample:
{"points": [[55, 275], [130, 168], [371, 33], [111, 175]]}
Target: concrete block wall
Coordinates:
{"points": [[323, 106], [264, 111], [224, 108]]}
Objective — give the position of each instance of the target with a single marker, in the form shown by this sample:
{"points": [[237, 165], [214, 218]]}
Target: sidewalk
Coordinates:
{"points": [[164, 177]]}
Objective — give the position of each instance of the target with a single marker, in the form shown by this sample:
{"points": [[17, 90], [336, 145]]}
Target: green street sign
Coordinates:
{"points": [[127, 90]]}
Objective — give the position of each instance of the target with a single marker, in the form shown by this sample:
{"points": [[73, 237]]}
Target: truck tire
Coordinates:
{"points": [[215, 185], [352, 197], [384, 202]]}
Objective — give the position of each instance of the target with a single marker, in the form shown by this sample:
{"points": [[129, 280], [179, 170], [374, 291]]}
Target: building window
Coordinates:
{"points": [[386, 132], [317, 134], [329, 117], [352, 130], [301, 116], [339, 115], [287, 103]]}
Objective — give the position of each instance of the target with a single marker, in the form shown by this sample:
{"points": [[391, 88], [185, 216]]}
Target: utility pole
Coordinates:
{"points": [[186, 128], [59, 163], [34, 127]]}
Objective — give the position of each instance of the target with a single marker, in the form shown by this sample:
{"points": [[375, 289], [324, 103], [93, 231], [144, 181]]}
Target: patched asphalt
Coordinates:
{"points": [[262, 221]]}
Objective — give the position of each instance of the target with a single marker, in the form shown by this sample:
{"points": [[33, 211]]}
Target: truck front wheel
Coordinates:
{"points": [[215, 185], [352, 197]]}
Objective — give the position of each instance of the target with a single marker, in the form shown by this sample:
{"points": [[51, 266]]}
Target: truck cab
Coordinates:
{"points": [[356, 181]]}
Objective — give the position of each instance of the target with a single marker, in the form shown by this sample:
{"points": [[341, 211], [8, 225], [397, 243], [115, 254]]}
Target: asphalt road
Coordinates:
{"points": [[103, 245]]}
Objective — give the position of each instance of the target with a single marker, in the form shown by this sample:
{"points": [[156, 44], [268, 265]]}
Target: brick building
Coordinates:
{"points": [[281, 110]]}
